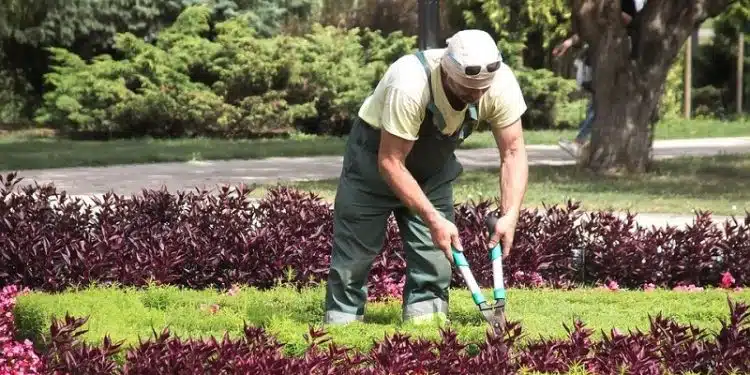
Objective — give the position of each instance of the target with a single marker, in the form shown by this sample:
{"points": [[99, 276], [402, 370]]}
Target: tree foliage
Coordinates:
{"points": [[89, 28], [524, 29], [715, 66], [234, 84], [116, 34]]}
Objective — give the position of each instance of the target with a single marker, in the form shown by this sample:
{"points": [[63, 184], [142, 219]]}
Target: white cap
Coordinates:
{"points": [[471, 47]]}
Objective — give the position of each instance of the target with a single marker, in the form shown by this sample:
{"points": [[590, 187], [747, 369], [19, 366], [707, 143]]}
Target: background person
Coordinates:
{"points": [[584, 76]]}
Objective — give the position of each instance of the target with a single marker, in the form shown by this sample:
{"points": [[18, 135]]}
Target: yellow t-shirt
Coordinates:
{"points": [[400, 99]]}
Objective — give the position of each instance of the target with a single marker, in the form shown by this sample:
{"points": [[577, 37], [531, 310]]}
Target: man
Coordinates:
{"points": [[584, 76], [400, 159]]}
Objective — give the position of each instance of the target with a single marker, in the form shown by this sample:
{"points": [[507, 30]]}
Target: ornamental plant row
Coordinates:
{"points": [[667, 347], [203, 239]]}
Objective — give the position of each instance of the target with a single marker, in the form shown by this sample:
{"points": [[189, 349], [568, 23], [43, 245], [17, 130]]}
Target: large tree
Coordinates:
{"points": [[628, 87]]}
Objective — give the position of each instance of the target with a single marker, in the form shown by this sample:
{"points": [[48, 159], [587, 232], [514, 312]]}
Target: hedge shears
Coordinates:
{"points": [[494, 313]]}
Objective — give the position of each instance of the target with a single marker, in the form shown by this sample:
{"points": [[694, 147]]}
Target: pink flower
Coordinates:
{"points": [[234, 290], [650, 287], [727, 280], [613, 286], [15, 357], [689, 288], [610, 285], [536, 279]]}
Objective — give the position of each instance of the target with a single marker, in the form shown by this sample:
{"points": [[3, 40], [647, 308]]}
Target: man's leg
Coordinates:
{"points": [[428, 272], [574, 148], [358, 234], [585, 128]]}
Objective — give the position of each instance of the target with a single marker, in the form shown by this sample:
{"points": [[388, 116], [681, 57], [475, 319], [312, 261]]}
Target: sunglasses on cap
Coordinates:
{"points": [[472, 70]]}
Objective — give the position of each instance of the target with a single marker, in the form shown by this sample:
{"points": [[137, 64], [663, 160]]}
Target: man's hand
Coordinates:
{"points": [[563, 47], [445, 236], [505, 228], [391, 159], [514, 174]]}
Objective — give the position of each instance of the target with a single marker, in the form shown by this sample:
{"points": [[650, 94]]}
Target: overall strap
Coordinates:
{"points": [[470, 120], [431, 105], [471, 113]]}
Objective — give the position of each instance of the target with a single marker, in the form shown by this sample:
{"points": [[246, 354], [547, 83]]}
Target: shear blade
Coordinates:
{"points": [[495, 316]]}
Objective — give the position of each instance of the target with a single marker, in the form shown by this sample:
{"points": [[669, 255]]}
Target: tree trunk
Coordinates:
{"points": [[628, 88]]}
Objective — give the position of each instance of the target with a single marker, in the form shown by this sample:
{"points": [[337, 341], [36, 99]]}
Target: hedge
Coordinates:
{"points": [[201, 78], [668, 347], [202, 239]]}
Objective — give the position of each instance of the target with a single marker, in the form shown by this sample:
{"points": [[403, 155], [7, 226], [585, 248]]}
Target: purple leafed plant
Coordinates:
{"points": [[667, 347], [216, 239]]}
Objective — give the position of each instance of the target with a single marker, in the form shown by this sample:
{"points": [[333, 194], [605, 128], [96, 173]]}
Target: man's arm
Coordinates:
{"points": [[391, 163], [514, 171]]}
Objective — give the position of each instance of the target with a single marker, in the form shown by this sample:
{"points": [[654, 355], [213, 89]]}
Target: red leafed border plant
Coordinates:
{"points": [[667, 347], [216, 239]]}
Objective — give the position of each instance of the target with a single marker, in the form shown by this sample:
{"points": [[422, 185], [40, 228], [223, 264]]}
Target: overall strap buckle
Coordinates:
{"points": [[471, 113]]}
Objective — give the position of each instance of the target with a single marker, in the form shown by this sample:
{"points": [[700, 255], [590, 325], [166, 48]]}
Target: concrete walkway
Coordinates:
{"points": [[131, 179]]}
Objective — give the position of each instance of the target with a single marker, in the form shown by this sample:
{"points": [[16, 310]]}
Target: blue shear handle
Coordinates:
{"points": [[496, 253], [496, 256], [463, 266], [460, 259]]}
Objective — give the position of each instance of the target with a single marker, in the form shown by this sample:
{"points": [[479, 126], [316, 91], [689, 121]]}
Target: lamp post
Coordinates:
{"points": [[429, 23]]}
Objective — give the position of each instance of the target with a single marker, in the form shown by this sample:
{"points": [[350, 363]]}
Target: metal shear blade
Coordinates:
{"points": [[495, 316]]}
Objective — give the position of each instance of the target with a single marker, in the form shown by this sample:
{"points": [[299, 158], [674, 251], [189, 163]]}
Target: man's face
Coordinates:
{"points": [[467, 95]]}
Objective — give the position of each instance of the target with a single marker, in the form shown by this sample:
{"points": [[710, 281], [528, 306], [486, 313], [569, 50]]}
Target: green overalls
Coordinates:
{"points": [[363, 203]]}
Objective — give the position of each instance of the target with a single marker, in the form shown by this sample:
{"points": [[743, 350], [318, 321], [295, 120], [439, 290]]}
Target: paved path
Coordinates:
{"points": [[130, 179]]}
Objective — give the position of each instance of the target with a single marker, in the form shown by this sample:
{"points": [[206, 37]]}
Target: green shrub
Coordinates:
{"points": [[545, 95], [218, 80], [224, 80], [708, 102], [716, 65], [16, 97], [671, 104]]}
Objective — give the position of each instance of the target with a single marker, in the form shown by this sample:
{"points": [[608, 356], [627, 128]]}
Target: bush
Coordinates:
{"points": [[220, 79], [671, 104], [667, 347], [545, 94], [224, 80], [715, 66], [198, 239]]}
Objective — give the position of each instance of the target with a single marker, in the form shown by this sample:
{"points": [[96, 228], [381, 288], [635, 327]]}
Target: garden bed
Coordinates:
{"points": [[168, 260], [198, 239], [278, 331]]}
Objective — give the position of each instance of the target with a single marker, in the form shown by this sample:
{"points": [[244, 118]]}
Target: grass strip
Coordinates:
{"points": [[37, 149], [129, 313], [680, 185]]}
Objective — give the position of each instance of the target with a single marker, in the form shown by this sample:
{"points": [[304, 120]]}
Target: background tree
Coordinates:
{"points": [[628, 90]]}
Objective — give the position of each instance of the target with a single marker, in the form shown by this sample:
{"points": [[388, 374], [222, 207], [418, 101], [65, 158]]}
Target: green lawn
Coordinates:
{"points": [[38, 149], [127, 314], [680, 185]]}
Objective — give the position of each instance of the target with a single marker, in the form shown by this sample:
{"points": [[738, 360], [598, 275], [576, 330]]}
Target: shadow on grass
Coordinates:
{"points": [[681, 185], [697, 177], [39, 153]]}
